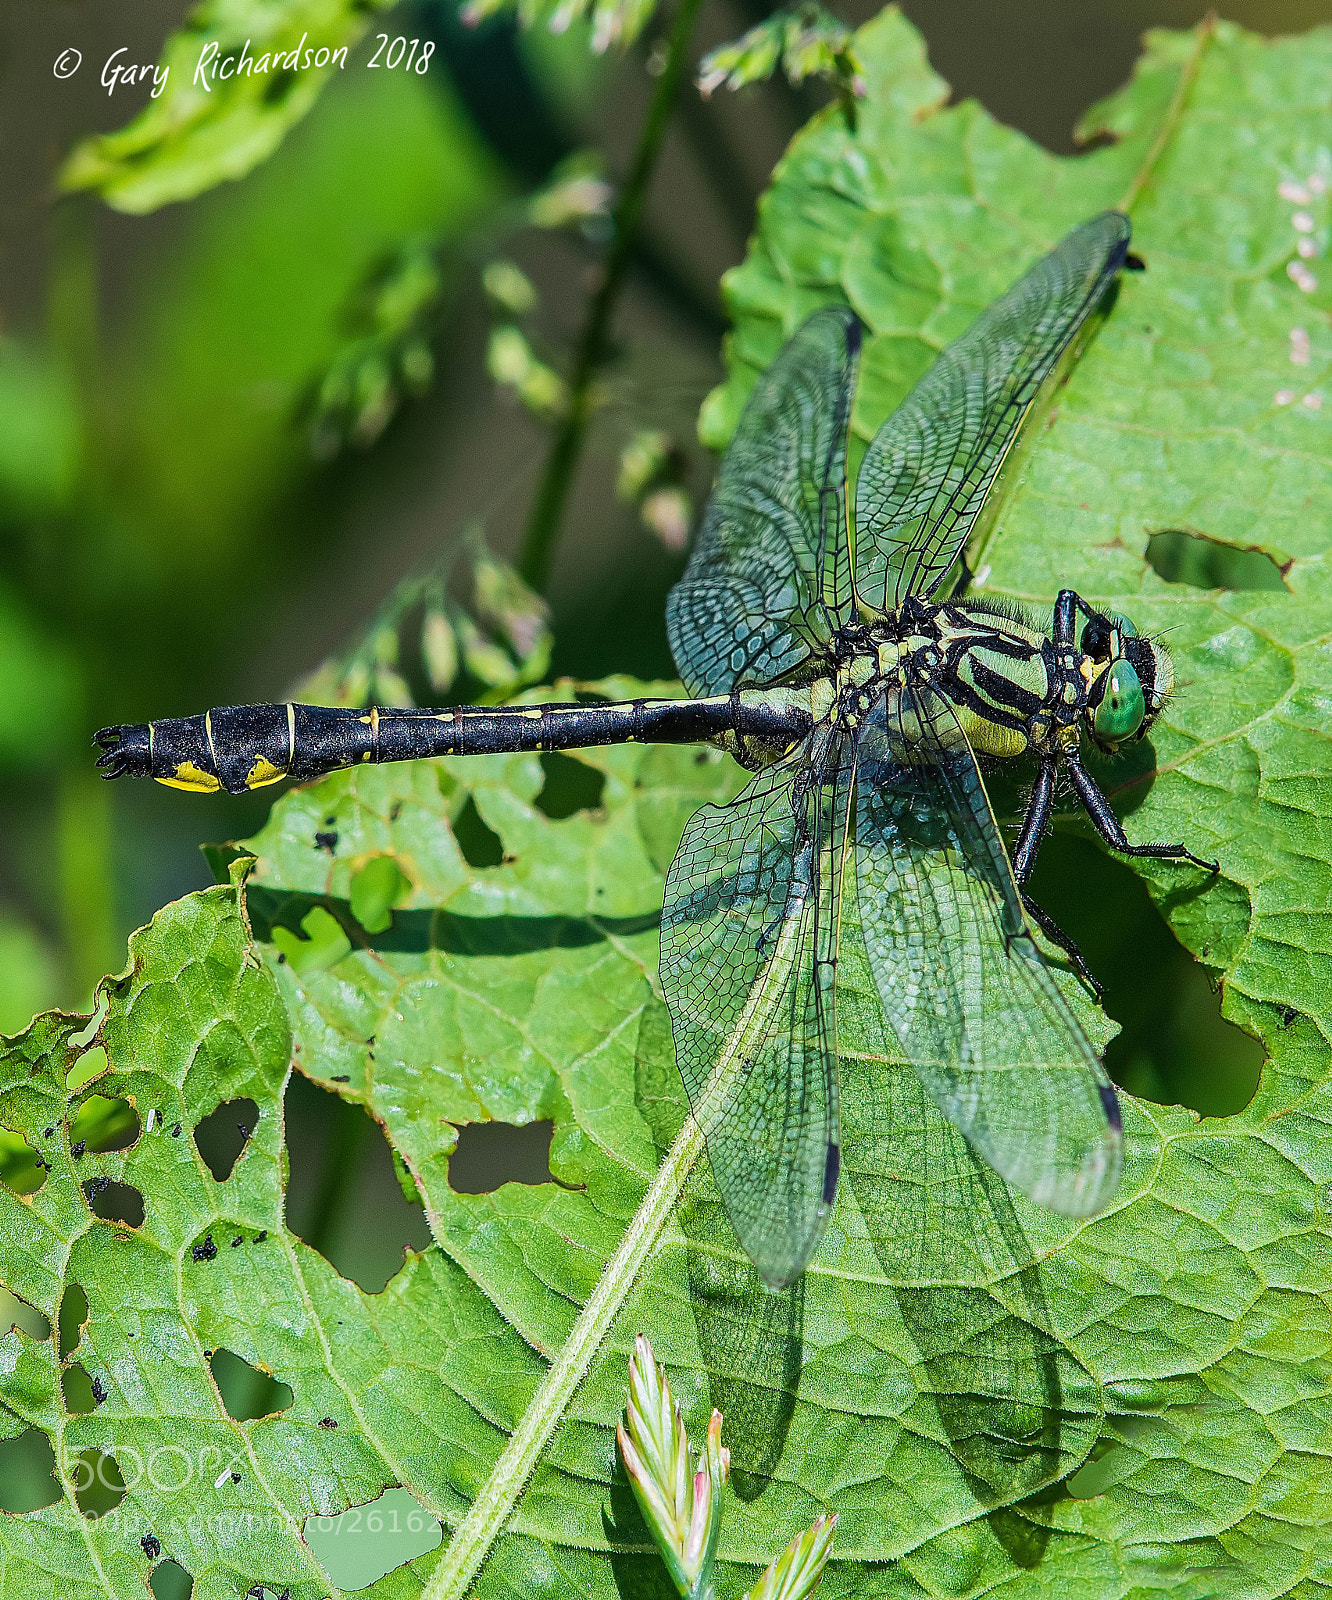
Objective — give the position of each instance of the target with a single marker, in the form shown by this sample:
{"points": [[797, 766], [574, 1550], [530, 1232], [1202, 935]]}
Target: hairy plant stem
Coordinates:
{"points": [[553, 491], [476, 1534]]}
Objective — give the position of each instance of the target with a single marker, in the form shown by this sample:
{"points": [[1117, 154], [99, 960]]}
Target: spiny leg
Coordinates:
{"points": [[1108, 825], [1035, 825], [1057, 937]]}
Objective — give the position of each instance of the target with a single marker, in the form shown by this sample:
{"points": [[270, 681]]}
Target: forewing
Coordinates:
{"points": [[963, 985], [748, 953], [771, 566], [929, 468]]}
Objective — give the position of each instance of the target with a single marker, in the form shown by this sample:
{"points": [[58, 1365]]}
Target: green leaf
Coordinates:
{"points": [[229, 85], [992, 1399]]}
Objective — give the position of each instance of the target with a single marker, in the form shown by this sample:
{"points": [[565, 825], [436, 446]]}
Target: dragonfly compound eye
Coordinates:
{"points": [[1120, 712]]}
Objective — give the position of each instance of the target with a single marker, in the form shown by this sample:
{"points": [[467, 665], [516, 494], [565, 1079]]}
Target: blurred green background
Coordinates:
{"points": [[175, 533]]}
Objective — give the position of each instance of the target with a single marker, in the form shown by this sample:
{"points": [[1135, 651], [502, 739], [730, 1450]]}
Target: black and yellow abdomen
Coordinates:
{"points": [[245, 747]]}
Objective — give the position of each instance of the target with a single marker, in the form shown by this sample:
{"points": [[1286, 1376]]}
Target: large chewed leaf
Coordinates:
{"points": [[993, 1399], [229, 85]]}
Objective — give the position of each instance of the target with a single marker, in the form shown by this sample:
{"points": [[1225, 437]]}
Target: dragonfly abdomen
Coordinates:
{"points": [[246, 747]]}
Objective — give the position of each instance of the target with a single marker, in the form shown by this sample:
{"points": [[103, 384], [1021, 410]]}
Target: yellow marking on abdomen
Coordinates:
{"points": [[188, 776], [262, 773]]}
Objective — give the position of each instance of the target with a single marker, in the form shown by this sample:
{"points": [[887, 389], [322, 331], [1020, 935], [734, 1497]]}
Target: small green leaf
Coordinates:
{"points": [[324, 944], [228, 87], [509, 288], [375, 890]]}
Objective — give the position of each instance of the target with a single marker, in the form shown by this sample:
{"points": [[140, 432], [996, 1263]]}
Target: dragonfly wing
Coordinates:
{"points": [[771, 564], [929, 468], [748, 955], [963, 986]]}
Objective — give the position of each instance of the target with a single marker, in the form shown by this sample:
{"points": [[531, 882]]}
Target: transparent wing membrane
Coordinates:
{"points": [[771, 568], [748, 954], [961, 981], [929, 468]]}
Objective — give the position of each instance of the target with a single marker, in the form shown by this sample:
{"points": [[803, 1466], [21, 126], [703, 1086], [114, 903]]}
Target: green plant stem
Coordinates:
{"points": [[553, 491], [476, 1534]]}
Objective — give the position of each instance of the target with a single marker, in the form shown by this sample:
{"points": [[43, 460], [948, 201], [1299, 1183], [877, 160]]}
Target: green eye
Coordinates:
{"points": [[1123, 624], [1121, 710]]}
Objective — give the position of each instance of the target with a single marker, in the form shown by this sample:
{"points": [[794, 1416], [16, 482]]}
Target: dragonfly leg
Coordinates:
{"points": [[1068, 603], [1036, 822], [1108, 825], [1057, 937], [1035, 825]]}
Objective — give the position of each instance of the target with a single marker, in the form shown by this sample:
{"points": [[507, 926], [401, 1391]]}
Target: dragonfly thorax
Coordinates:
{"points": [[1009, 688]]}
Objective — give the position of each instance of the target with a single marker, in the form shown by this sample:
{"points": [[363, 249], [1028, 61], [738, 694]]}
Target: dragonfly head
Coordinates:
{"points": [[1132, 680]]}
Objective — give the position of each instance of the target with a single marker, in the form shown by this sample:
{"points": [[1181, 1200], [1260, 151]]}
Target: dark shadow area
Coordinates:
{"points": [[751, 1339], [480, 845], [223, 1134], [1019, 1411], [27, 1473], [22, 1168], [489, 1154], [343, 1197], [103, 1124], [247, 1392], [414, 932], [1180, 556], [1174, 1046], [99, 1486], [170, 1581], [639, 1572], [79, 1393], [571, 786], [114, 1202], [73, 1318]]}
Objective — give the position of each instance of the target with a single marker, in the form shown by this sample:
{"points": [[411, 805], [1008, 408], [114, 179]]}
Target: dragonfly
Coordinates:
{"points": [[824, 641]]}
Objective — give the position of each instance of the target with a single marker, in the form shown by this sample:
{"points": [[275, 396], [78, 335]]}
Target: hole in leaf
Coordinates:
{"points": [[1174, 1046], [491, 1153], [375, 890], [102, 1124], [27, 1473], [91, 1064], [1180, 556], [480, 844], [361, 1545], [99, 1486], [324, 945], [571, 786], [170, 1581], [247, 1392], [344, 1197], [114, 1202], [223, 1134], [78, 1391], [73, 1317], [16, 1313], [22, 1168]]}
